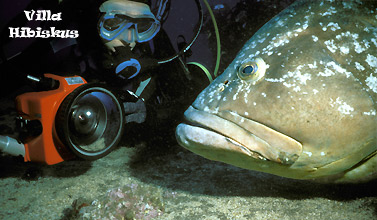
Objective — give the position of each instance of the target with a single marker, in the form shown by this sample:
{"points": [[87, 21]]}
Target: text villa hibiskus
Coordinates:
{"points": [[42, 15]]}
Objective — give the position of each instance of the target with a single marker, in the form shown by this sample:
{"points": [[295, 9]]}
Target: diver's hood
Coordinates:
{"points": [[128, 21]]}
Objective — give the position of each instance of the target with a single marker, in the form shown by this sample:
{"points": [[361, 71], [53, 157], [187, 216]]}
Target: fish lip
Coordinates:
{"points": [[232, 141], [242, 148], [227, 125]]}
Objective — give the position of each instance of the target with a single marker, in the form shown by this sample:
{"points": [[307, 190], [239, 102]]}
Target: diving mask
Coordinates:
{"points": [[128, 21]]}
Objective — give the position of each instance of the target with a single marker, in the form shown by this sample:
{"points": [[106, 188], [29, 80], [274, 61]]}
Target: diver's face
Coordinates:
{"points": [[118, 43], [123, 23]]}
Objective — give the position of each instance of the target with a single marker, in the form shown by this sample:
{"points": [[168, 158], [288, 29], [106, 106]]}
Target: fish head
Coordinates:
{"points": [[297, 101]]}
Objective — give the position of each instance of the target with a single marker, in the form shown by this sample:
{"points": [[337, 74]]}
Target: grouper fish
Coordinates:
{"points": [[300, 98]]}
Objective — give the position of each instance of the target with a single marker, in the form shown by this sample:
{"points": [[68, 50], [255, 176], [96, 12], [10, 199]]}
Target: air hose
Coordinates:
{"points": [[183, 50], [201, 66], [217, 38], [218, 56], [204, 69]]}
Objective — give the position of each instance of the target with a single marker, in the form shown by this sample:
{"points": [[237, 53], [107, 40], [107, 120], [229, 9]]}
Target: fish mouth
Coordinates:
{"points": [[211, 135]]}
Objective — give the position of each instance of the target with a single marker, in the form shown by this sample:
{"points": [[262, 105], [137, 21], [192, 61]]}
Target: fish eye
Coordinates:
{"points": [[247, 70], [252, 71]]}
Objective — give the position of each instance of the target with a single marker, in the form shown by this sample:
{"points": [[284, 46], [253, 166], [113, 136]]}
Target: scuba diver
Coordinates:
{"points": [[123, 24], [140, 59]]}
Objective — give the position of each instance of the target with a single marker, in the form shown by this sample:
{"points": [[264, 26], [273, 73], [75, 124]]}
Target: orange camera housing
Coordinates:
{"points": [[43, 106]]}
